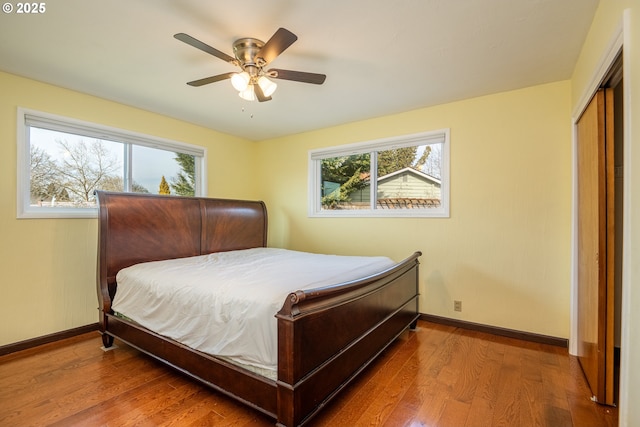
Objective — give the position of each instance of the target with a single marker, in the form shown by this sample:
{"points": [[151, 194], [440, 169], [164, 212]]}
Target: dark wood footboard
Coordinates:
{"points": [[326, 336]]}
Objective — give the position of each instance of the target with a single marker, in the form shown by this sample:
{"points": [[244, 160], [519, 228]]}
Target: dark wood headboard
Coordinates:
{"points": [[135, 228]]}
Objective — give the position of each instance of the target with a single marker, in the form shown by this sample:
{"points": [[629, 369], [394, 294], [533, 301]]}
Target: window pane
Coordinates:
{"points": [[162, 172], [345, 182], [409, 177], [65, 169], [63, 161], [402, 176]]}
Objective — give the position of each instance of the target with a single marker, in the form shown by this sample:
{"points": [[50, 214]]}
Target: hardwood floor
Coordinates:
{"points": [[437, 376]]}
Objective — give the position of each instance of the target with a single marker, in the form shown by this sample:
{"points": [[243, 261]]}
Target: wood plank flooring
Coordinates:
{"points": [[436, 376]]}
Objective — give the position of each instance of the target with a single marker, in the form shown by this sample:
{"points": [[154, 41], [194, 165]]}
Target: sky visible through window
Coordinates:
{"points": [[148, 164]]}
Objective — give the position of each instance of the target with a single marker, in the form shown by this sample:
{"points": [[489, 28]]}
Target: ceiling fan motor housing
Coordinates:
{"points": [[245, 51]]}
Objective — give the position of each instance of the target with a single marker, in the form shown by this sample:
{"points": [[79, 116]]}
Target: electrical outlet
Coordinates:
{"points": [[457, 306]]}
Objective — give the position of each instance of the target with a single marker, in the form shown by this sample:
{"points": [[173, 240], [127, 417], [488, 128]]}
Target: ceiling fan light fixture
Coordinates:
{"points": [[252, 56], [240, 81], [248, 94], [267, 86]]}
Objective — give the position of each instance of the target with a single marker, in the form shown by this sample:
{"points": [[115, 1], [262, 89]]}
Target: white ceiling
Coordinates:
{"points": [[380, 56]]}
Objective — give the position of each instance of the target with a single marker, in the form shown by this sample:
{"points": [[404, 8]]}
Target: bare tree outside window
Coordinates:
{"points": [[66, 169], [433, 163], [43, 175], [86, 167], [63, 161]]}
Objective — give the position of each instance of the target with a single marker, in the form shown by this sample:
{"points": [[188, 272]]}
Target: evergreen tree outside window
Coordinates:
{"points": [[164, 187], [401, 176], [184, 183]]}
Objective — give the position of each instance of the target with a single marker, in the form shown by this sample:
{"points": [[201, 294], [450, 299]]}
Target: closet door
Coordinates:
{"points": [[595, 245]]}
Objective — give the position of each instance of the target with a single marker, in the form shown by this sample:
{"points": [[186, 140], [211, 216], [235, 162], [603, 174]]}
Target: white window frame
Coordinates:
{"points": [[422, 138], [27, 118]]}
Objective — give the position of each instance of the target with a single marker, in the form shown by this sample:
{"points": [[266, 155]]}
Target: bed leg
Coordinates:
{"points": [[414, 325], [107, 340]]}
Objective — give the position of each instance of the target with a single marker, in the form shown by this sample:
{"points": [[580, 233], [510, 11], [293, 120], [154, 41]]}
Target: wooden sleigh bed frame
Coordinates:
{"points": [[326, 336]]}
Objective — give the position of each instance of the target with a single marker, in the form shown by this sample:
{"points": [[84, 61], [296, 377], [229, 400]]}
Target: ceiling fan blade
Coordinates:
{"points": [[204, 47], [259, 94], [297, 76], [211, 79], [277, 44]]}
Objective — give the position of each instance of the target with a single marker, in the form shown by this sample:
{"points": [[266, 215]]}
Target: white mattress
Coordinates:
{"points": [[224, 303]]}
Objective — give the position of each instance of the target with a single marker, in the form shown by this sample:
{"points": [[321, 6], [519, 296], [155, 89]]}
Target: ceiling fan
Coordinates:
{"points": [[252, 56]]}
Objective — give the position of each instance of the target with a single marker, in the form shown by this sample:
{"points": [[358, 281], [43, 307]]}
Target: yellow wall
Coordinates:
{"points": [[49, 265], [607, 21], [504, 252]]}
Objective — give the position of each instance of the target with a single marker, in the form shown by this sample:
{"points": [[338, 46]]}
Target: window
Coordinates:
{"points": [[62, 161], [401, 176]]}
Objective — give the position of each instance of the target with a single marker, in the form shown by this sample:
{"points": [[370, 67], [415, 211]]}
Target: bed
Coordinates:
{"points": [[324, 334]]}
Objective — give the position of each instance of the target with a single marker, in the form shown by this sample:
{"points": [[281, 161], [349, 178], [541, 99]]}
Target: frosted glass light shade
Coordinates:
{"points": [[240, 81], [267, 86], [248, 94]]}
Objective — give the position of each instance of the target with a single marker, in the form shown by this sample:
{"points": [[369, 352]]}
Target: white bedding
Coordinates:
{"points": [[224, 303]]}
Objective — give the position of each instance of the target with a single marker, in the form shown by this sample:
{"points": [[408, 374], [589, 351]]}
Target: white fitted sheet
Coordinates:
{"points": [[224, 304]]}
